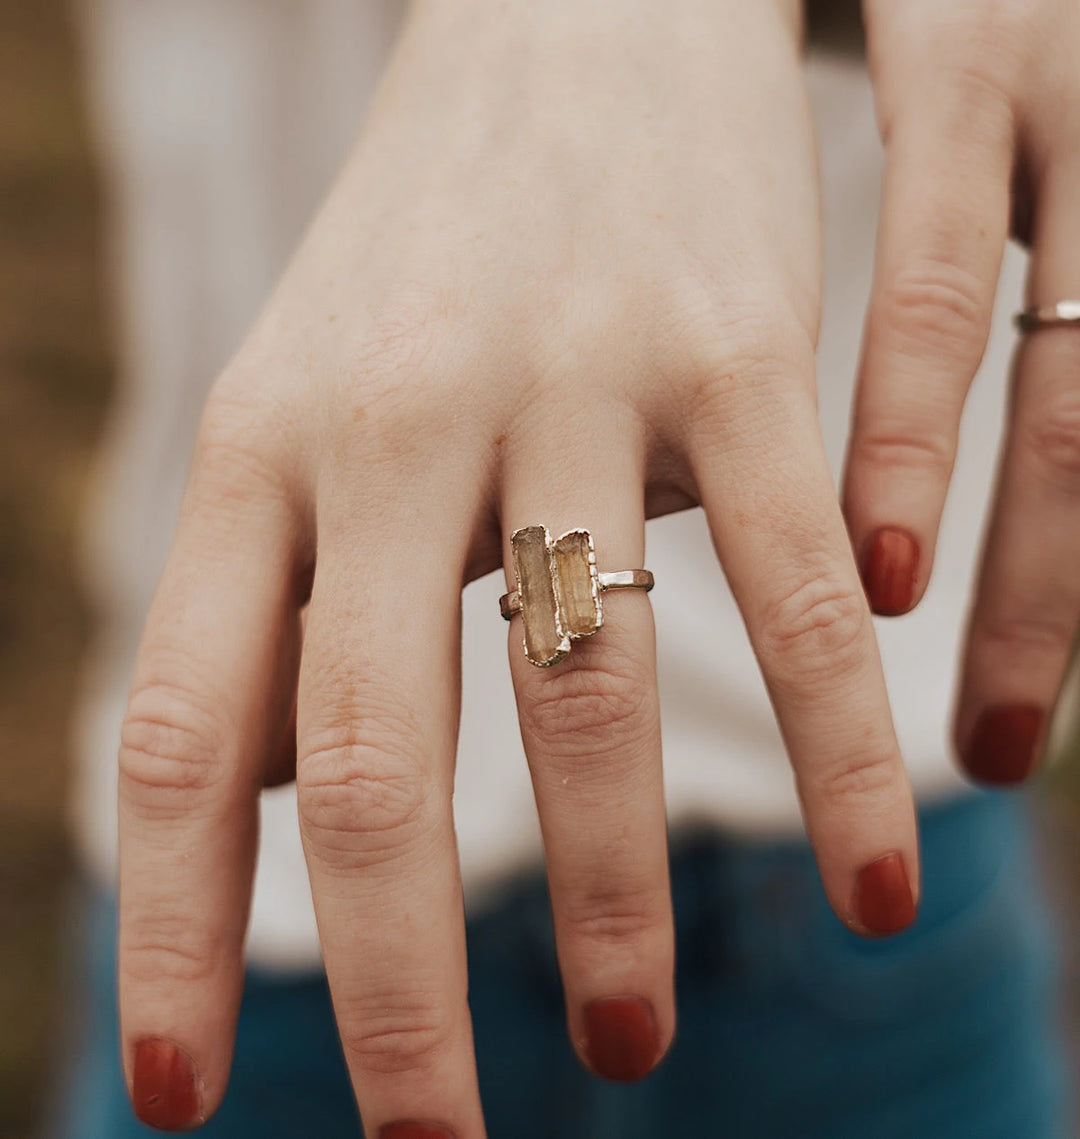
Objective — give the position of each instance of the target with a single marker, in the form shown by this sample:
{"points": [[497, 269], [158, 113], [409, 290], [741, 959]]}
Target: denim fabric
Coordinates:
{"points": [[789, 1026]]}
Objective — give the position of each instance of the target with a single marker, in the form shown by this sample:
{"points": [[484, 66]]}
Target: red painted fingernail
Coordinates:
{"points": [[884, 902], [410, 1130], [622, 1039], [165, 1086], [890, 562], [1003, 748]]}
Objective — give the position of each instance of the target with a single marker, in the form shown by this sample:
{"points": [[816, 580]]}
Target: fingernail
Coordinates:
{"points": [[884, 902], [622, 1039], [165, 1086], [890, 562], [411, 1130], [1003, 748]]}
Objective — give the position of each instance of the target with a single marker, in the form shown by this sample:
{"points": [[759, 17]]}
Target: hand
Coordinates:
{"points": [[979, 104], [571, 276]]}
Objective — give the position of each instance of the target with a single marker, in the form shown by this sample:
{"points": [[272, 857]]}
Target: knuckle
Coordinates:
{"points": [[853, 779], [173, 951], [752, 391], [755, 344], [996, 40], [1007, 633], [243, 443], [170, 752], [421, 330], [586, 703], [615, 916], [918, 450], [700, 316], [936, 308], [821, 628], [980, 48], [377, 426], [362, 794], [418, 323], [1053, 441], [984, 78], [697, 318], [394, 1036], [981, 51]]}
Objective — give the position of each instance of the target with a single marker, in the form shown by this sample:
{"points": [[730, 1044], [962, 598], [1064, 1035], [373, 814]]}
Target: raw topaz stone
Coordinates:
{"points": [[576, 584], [546, 641]]}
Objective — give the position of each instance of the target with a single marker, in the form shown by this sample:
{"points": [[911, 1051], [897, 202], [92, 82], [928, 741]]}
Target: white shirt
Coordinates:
{"points": [[221, 125]]}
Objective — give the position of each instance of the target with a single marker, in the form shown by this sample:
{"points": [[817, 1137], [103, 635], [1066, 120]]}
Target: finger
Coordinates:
{"points": [[212, 680], [1028, 598], [378, 712], [780, 537], [591, 729], [944, 223]]}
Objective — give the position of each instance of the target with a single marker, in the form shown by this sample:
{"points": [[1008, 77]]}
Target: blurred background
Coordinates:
{"points": [[54, 386], [55, 379]]}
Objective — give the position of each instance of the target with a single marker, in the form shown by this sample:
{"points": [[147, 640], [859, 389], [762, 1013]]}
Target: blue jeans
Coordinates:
{"points": [[789, 1026]]}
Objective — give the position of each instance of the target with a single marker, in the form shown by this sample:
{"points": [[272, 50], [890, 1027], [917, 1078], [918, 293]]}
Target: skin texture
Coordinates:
{"points": [[550, 285]]}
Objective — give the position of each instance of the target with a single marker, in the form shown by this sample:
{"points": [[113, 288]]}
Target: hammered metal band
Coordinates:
{"points": [[558, 590], [510, 603], [1062, 314]]}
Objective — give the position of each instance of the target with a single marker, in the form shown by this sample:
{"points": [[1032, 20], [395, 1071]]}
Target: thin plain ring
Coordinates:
{"points": [[1060, 315]]}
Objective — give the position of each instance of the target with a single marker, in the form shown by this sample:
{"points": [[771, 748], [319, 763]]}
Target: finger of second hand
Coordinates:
{"points": [[591, 729], [1028, 599], [781, 540], [377, 725], [944, 221]]}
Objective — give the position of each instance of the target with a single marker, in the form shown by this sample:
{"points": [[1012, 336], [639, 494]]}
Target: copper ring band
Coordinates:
{"points": [[510, 603]]}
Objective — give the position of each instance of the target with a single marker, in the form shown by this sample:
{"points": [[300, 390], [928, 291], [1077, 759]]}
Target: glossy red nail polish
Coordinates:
{"points": [[414, 1130], [623, 1042], [165, 1086], [890, 562], [1004, 744], [884, 902]]}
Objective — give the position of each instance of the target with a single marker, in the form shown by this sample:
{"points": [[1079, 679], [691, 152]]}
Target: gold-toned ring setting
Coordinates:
{"points": [[559, 590], [1061, 315]]}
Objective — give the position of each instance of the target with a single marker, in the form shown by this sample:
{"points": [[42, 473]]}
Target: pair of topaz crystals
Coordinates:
{"points": [[558, 590]]}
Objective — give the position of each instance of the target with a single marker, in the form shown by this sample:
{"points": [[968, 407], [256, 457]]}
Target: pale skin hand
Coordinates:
{"points": [[979, 102], [571, 275]]}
